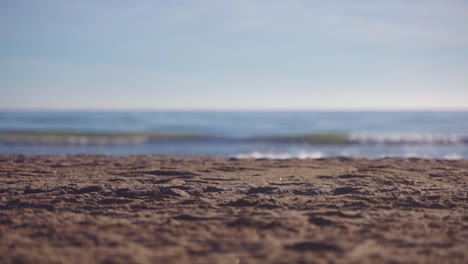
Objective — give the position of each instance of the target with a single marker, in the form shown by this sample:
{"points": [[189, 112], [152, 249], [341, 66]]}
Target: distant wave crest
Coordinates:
{"points": [[79, 138], [401, 139], [370, 139], [85, 138]]}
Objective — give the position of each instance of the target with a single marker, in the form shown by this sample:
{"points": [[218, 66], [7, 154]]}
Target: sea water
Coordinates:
{"points": [[280, 135]]}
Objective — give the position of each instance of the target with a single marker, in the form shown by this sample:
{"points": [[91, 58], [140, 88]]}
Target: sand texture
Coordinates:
{"points": [[153, 209]]}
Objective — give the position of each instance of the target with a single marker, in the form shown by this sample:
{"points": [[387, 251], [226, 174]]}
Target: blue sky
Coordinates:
{"points": [[234, 55]]}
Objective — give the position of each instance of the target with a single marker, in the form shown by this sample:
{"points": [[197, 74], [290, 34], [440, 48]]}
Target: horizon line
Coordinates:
{"points": [[40, 109]]}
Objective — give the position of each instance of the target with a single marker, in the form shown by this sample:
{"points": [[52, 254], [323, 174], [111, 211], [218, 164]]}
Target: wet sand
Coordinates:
{"points": [[155, 209]]}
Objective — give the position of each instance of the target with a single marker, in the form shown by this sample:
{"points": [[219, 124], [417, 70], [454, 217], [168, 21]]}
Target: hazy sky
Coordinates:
{"points": [[248, 55]]}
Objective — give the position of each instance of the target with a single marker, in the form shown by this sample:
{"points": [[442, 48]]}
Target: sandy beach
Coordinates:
{"points": [[160, 209]]}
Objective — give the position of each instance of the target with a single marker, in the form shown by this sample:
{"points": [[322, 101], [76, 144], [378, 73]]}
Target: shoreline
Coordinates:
{"points": [[156, 209]]}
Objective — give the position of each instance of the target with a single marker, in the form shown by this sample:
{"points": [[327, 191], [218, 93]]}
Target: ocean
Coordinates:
{"points": [[441, 135]]}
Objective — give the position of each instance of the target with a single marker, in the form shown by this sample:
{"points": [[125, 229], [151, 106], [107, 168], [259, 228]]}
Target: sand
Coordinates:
{"points": [[155, 209]]}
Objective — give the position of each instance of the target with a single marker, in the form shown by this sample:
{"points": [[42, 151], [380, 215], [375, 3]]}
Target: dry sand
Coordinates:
{"points": [[153, 209]]}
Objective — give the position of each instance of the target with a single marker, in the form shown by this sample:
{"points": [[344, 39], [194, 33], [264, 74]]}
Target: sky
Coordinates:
{"points": [[234, 55]]}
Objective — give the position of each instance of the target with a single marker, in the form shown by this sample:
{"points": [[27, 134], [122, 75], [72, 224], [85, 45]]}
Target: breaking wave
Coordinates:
{"points": [[78, 138], [84, 138], [402, 139]]}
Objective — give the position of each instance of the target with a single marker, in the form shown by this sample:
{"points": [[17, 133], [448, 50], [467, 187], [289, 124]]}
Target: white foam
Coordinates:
{"points": [[310, 155], [280, 155], [412, 155], [452, 156]]}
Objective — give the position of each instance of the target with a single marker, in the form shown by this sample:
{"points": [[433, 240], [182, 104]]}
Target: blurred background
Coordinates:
{"points": [[262, 79]]}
